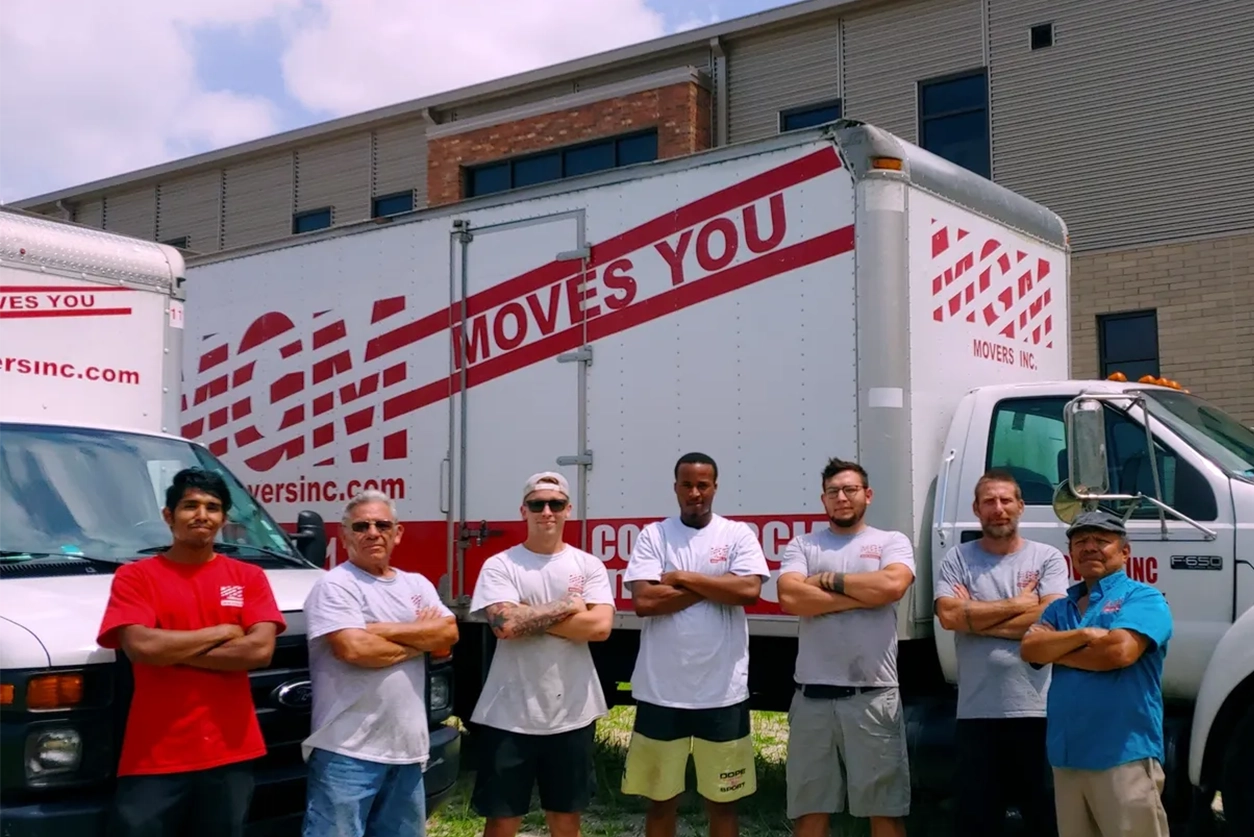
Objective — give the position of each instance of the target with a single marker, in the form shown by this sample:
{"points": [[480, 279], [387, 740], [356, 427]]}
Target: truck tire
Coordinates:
{"points": [[1236, 780]]}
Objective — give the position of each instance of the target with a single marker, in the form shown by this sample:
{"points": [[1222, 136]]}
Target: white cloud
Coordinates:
{"points": [[90, 89], [357, 54]]}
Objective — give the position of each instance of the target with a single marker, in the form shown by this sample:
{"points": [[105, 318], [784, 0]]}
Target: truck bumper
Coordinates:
{"points": [[278, 801]]}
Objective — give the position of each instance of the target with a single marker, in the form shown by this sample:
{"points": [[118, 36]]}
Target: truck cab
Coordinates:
{"points": [[1181, 473]]}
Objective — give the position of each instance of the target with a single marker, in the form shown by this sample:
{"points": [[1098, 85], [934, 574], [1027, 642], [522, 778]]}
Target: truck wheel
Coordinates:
{"points": [[1236, 781]]}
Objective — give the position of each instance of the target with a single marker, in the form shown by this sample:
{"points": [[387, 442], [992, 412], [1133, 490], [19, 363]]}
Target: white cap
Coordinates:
{"points": [[550, 480]]}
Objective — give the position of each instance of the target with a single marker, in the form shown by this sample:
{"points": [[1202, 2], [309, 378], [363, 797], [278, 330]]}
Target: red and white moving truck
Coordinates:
{"points": [[91, 346], [835, 291]]}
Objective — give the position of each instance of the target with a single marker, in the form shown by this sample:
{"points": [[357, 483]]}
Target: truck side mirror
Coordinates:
{"points": [[1086, 447], [311, 537]]}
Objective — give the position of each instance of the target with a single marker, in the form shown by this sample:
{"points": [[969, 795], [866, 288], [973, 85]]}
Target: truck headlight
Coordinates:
{"points": [[439, 692], [52, 753]]}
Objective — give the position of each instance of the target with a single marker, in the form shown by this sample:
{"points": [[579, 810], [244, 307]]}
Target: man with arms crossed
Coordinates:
{"points": [[691, 578], [192, 623], [370, 626], [1107, 639], [846, 731], [545, 601], [990, 592]]}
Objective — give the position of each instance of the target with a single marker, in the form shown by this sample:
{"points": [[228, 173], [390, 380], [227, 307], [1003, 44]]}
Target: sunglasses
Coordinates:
{"points": [[363, 526], [537, 506]]}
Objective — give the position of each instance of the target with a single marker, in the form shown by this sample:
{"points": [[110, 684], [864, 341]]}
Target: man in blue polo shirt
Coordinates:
{"points": [[1104, 736]]}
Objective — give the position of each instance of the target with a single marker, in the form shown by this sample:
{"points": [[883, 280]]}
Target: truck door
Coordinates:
{"points": [[1192, 569], [516, 380]]}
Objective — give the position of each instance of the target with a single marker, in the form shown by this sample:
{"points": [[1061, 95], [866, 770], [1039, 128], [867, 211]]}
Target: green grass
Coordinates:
{"points": [[615, 815]]}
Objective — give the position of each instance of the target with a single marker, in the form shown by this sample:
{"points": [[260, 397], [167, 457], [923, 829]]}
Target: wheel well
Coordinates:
{"points": [[1235, 705]]}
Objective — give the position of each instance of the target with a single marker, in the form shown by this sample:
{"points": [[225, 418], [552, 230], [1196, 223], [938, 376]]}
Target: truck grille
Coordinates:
{"points": [[283, 697]]}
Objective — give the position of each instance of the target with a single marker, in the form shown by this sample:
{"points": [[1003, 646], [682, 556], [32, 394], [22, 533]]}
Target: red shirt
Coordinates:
{"points": [[185, 718]]}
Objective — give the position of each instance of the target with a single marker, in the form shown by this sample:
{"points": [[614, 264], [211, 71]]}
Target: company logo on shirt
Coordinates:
{"points": [[1113, 606], [1028, 576], [232, 595], [718, 554], [576, 583], [871, 550], [417, 601]]}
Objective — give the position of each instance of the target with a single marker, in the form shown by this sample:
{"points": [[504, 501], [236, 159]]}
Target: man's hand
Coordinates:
{"points": [[229, 631], [674, 578], [1028, 598]]}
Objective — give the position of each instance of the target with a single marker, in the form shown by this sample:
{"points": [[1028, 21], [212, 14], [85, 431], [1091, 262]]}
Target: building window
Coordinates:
{"points": [[315, 219], [1128, 343], [180, 242], [1041, 36], [808, 116], [571, 161], [953, 120], [385, 205]]}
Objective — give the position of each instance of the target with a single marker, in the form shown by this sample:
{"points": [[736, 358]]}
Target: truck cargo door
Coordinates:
{"points": [[518, 359]]}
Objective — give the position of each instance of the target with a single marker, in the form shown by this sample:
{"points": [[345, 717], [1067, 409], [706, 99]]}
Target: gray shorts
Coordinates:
{"points": [[851, 747]]}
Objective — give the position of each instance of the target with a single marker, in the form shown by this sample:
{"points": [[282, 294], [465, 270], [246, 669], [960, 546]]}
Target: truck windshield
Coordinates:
{"points": [[1213, 432], [98, 494]]}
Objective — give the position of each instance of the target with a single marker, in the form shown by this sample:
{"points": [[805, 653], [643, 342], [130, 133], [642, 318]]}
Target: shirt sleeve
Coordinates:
{"points": [[794, 559], [596, 588], [428, 596], [493, 586], [259, 603], [748, 558], [898, 550], [949, 575], [1053, 613], [129, 604], [1146, 612], [332, 607], [645, 563], [1054, 581]]}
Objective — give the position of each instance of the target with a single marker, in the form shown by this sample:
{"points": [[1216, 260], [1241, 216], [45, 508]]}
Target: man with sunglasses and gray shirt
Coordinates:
{"points": [[545, 601]]}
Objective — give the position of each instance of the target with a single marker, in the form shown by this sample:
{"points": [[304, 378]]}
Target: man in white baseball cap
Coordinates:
{"points": [[545, 601]]}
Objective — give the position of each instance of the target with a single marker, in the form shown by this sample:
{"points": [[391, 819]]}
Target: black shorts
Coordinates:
{"points": [[511, 764], [210, 803]]}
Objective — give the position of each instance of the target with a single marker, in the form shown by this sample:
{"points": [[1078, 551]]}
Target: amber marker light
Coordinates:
{"points": [[54, 691], [887, 163]]}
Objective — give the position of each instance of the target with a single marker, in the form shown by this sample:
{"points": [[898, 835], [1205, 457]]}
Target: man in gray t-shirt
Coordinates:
{"points": [[989, 592], [369, 627]]}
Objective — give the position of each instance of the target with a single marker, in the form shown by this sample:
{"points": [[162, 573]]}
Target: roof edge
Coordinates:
{"points": [[463, 95]]}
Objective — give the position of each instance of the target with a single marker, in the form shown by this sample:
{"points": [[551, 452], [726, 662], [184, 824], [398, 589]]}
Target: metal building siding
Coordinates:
{"points": [[257, 201], [698, 57], [887, 50], [778, 70], [90, 213], [132, 213], [1135, 125], [513, 100], [191, 206], [400, 160], [336, 174]]}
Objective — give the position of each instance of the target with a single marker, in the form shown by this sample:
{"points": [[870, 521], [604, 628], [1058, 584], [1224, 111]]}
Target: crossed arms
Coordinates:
{"points": [[568, 617], [1004, 618], [1090, 649], [680, 589], [833, 592], [383, 644], [224, 647]]}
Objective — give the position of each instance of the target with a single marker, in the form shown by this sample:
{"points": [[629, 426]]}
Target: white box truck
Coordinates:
{"points": [[91, 344], [834, 291]]}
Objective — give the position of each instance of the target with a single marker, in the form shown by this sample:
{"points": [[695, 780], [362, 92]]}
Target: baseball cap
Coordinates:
{"points": [[1105, 521], [546, 480]]}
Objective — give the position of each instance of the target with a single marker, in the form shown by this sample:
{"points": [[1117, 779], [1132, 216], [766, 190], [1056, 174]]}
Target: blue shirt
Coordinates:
{"points": [[1101, 719]]}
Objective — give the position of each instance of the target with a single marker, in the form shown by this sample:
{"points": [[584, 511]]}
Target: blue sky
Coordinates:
{"points": [[89, 90]]}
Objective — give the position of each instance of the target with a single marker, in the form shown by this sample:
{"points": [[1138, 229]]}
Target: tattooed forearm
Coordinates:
{"points": [[832, 582], [511, 621]]}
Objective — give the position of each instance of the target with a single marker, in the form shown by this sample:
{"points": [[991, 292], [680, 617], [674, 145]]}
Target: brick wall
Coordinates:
{"points": [[1204, 294], [680, 112]]}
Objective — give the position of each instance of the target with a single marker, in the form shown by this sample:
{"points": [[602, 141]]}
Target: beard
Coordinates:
{"points": [[844, 520], [1001, 531]]}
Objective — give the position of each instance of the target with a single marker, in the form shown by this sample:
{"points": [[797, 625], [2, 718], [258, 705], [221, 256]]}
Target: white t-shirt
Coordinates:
{"points": [[541, 684], [697, 658], [373, 714], [854, 647]]}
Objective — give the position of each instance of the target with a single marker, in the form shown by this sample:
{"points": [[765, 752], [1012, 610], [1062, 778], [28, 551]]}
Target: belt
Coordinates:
{"points": [[821, 692]]}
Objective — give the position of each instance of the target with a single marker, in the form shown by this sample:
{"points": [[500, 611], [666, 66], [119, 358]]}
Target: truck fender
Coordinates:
{"points": [[1227, 690]]}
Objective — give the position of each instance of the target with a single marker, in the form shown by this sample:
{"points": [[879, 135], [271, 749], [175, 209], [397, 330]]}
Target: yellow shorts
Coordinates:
{"points": [[718, 740]]}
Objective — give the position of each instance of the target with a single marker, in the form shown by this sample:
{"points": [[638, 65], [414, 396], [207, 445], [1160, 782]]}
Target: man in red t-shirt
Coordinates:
{"points": [[192, 623]]}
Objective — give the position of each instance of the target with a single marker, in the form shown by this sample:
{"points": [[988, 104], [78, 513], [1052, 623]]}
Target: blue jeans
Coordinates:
{"points": [[350, 797]]}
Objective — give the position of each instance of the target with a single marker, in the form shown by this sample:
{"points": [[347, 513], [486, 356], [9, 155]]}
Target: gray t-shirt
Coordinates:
{"points": [[541, 684], [993, 680], [373, 714], [855, 647]]}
